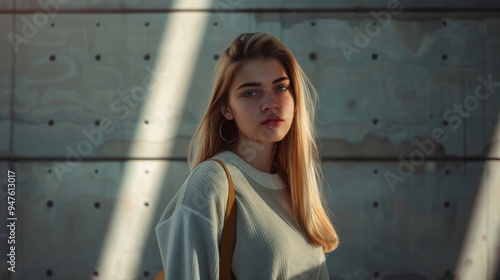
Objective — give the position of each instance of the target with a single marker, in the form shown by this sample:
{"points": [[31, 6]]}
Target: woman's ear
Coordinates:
{"points": [[226, 112]]}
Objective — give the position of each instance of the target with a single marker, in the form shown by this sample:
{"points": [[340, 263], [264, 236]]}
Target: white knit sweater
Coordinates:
{"points": [[269, 243]]}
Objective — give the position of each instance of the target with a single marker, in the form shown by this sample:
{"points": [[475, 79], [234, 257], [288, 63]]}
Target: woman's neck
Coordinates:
{"points": [[259, 155]]}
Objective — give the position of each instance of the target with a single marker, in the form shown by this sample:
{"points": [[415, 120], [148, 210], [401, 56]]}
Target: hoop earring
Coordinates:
{"points": [[220, 133]]}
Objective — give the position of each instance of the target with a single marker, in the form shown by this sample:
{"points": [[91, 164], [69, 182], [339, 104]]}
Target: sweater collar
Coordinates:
{"points": [[268, 180]]}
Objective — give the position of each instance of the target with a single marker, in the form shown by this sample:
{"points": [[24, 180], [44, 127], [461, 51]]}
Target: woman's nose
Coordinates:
{"points": [[270, 101]]}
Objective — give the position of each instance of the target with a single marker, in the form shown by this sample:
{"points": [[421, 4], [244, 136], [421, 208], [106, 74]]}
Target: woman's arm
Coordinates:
{"points": [[190, 230], [188, 246]]}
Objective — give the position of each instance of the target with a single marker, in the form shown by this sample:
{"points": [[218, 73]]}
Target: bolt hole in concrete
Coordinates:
{"points": [[49, 272], [97, 123], [446, 172], [374, 56], [52, 57], [96, 273], [375, 121], [98, 24], [216, 56], [51, 122], [447, 275], [147, 171], [313, 23], [376, 274], [147, 57], [444, 56], [146, 204], [444, 23], [96, 171], [215, 23], [375, 204], [98, 57], [312, 56], [375, 171], [146, 273], [146, 24], [146, 122], [50, 204], [446, 204], [52, 24], [50, 171], [97, 205]]}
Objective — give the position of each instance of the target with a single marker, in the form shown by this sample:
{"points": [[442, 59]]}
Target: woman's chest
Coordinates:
{"points": [[268, 235]]}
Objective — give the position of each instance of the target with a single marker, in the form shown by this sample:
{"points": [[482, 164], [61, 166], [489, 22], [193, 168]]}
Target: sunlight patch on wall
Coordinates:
{"points": [[126, 237], [481, 247]]}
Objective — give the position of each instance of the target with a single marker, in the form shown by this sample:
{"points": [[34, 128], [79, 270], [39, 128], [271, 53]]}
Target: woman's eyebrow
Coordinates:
{"points": [[254, 84]]}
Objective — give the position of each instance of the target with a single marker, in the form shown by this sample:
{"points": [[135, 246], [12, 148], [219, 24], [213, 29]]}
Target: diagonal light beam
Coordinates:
{"points": [[126, 237], [481, 247]]}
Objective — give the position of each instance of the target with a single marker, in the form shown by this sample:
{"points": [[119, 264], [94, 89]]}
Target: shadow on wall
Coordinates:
{"points": [[111, 220]]}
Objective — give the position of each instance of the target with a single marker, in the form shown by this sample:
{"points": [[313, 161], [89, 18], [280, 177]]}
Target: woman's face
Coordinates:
{"points": [[259, 92]]}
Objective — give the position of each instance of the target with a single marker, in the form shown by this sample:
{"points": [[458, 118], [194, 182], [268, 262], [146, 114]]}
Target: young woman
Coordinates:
{"points": [[260, 123]]}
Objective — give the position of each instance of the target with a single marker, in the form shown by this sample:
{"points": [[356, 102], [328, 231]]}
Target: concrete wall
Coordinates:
{"points": [[99, 99]]}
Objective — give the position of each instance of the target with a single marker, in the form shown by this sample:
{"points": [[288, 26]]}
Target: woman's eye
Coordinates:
{"points": [[282, 88], [249, 93]]}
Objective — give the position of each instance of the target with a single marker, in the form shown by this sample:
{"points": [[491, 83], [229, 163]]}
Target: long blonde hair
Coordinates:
{"points": [[297, 154]]}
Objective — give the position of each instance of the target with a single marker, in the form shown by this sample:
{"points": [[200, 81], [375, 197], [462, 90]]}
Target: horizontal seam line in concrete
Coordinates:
{"points": [[93, 159], [254, 10]]}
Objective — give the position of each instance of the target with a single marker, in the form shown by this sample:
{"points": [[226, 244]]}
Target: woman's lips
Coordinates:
{"points": [[273, 122]]}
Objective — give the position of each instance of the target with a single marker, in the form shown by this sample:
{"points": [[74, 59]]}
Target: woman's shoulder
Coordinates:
{"points": [[208, 171], [206, 185]]}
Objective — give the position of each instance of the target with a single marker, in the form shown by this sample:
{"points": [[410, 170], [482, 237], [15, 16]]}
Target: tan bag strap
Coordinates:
{"points": [[228, 236]]}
